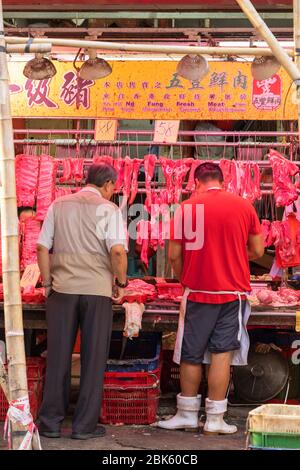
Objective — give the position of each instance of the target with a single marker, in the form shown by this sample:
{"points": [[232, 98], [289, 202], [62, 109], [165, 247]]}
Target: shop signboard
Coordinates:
{"points": [[148, 89]]}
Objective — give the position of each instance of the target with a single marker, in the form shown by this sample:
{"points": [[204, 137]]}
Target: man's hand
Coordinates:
{"points": [[118, 294], [48, 291]]}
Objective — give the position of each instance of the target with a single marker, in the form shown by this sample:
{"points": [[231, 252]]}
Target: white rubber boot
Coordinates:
{"points": [[186, 416], [214, 418]]}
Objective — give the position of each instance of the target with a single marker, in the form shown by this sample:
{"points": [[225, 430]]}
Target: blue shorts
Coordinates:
{"points": [[210, 326]]}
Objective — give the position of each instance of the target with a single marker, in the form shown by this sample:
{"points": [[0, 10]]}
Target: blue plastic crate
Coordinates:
{"points": [[141, 354]]}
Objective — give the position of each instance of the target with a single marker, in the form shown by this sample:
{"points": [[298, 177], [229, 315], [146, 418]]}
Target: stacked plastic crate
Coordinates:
{"points": [[274, 427], [132, 380], [36, 370]]}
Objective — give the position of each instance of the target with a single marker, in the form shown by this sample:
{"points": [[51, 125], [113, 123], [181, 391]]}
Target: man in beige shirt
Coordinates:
{"points": [[86, 235]]}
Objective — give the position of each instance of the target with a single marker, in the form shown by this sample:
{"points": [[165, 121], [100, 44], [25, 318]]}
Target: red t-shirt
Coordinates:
{"points": [[221, 264]]}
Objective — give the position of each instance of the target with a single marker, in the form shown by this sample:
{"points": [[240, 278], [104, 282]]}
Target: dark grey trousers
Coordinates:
{"points": [[65, 313]]}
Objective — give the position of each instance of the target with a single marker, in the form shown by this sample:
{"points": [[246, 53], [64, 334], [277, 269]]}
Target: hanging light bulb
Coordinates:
{"points": [[39, 68], [94, 67], [193, 67], [264, 67]]}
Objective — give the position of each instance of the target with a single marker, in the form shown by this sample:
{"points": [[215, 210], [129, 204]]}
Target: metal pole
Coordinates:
{"points": [[147, 132], [17, 380]]}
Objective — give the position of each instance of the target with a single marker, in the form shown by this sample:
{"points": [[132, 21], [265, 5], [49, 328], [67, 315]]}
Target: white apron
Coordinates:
{"points": [[240, 356]]}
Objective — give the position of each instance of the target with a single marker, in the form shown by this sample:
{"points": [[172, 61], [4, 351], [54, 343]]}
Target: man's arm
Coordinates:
{"points": [[116, 244], [255, 246], [118, 259], [119, 262], [43, 258], [175, 258], [44, 245]]}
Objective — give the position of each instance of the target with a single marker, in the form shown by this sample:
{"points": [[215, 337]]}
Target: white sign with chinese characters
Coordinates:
{"points": [[166, 131]]}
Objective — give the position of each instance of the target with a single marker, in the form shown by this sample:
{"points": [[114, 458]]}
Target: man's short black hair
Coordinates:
{"points": [[208, 171], [101, 173]]}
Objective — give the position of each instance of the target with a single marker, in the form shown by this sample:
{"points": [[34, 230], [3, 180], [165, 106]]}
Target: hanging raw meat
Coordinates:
{"points": [[128, 167], [134, 180], [288, 255], [285, 191], [180, 171], [225, 166], [46, 185], [266, 227], [27, 171], [149, 238], [77, 169], [168, 169], [280, 237], [249, 181], [103, 159], [30, 229], [191, 181], [119, 164], [149, 167], [156, 233], [67, 171], [256, 181], [59, 192], [275, 233], [133, 319], [231, 176], [286, 248], [143, 239]]}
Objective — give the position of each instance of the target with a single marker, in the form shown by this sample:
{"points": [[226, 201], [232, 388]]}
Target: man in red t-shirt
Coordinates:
{"points": [[213, 236]]}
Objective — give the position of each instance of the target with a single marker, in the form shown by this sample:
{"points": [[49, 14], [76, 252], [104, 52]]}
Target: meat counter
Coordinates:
{"points": [[163, 316]]}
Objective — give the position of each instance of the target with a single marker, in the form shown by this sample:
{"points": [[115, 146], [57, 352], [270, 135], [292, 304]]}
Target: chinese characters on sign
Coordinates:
{"points": [[266, 94], [37, 93], [153, 90], [75, 90], [240, 81]]}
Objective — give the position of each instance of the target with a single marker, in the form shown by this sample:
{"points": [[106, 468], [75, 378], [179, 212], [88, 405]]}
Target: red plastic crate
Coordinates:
{"points": [[170, 375], [36, 367], [130, 397]]}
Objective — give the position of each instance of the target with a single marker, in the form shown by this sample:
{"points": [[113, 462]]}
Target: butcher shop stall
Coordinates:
{"points": [[155, 127]]}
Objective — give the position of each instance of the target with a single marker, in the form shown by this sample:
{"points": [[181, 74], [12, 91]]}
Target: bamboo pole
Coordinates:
{"points": [[31, 48], [154, 48], [270, 39], [14, 332]]}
